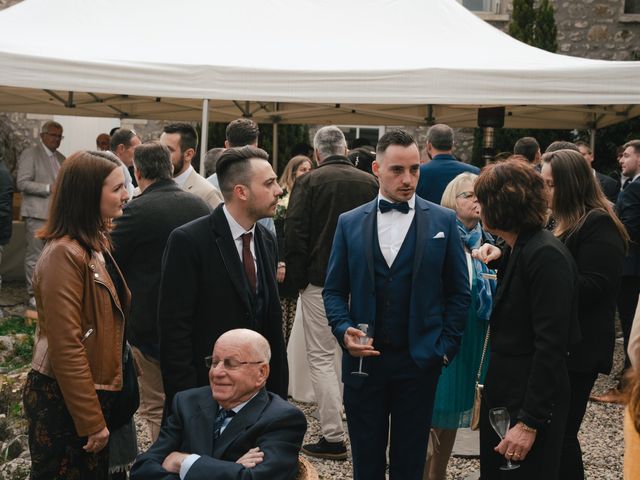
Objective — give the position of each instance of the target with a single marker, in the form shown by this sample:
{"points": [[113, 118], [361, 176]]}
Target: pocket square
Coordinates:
{"points": [[439, 235]]}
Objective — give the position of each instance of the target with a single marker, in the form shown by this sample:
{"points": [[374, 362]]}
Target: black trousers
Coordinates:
{"points": [[395, 388], [571, 466], [627, 303]]}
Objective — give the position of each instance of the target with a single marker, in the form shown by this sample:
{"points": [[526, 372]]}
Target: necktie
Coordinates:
{"points": [[388, 206], [624, 185], [220, 418], [247, 260], [55, 166]]}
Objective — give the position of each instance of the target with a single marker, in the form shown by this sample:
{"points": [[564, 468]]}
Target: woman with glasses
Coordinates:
{"points": [[456, 387], [82, 302]]}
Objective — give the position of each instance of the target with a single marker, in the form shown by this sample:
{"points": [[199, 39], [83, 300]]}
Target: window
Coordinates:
{"points": [[492, 6], [370, 134], [631, 6]]}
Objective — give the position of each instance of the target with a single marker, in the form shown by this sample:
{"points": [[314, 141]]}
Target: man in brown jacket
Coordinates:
{"points": [[317, 200]]}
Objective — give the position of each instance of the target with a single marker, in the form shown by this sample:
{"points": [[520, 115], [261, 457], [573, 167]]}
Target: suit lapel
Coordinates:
{"points": [[229, 255], [504, 281], [422, 226], [370, 229], [247, 417], [202, 424]]}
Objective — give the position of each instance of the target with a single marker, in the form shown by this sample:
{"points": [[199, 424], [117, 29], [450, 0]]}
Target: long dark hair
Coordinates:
{"points": [[576, 193], [75, 203]]}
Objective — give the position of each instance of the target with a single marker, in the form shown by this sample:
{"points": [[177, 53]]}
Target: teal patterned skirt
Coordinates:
{"points": [[456, 387]]}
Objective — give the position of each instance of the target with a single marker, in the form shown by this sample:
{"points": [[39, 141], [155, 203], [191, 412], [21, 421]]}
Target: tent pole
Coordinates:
{"points": [[274, 143], [204, 133], [592, 139]]}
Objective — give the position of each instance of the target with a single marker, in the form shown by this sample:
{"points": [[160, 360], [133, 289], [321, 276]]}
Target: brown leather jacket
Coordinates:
{"points": [[80, 329]]}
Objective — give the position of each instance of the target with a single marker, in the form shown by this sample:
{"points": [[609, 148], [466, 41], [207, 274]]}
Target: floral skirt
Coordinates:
{"points": [[56, 449], [288, 306]]}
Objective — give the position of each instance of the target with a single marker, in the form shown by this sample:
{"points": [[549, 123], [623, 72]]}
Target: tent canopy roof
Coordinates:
{"points": [[296, 61]]}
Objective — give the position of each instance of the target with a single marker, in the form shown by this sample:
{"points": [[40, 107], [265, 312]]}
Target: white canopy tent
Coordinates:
{"points": [[406, 62]]}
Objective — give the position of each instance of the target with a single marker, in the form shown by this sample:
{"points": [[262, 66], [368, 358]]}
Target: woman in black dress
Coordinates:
{"points": [[532, 324], [587, 225]]}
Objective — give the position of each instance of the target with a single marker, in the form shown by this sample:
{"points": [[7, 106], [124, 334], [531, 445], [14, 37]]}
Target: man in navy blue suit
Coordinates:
{"points": [[398, 265], [443, 167]]}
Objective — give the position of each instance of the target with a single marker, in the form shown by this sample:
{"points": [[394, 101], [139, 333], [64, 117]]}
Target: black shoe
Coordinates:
{"points": [[324, 449]]}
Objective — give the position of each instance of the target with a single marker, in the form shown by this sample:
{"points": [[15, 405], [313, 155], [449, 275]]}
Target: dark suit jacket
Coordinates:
{"points": [[534, 319], [598, 250], [204, 293], [628, 210], [139, 238], [267, 421], [609, 186], [436, 175], [440, 295]]}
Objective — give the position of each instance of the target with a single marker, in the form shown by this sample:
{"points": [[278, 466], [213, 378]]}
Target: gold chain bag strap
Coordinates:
{"points": [[475, 412]]}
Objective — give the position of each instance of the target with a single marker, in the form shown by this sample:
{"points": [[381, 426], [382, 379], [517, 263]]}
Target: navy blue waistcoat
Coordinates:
{"points": [[393, 292]]}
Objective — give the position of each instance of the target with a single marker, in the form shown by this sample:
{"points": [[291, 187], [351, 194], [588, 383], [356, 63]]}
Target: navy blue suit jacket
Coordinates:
{"points": [[628, 210], [436, 175], [267, 421], [440, 289]]}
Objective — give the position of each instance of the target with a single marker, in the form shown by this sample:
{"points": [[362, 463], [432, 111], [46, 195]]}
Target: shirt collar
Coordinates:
{"points": [[411, 201], [180, 179], [49, 152], [237, 230]]}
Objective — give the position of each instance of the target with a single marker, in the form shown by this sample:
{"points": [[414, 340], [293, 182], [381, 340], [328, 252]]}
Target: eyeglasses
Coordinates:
{"points": [[465, 195], [227, 363], [55, 135]]}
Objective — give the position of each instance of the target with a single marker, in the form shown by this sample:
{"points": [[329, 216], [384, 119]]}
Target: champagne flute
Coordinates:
{"points": [[363, 327], [500, 421]]}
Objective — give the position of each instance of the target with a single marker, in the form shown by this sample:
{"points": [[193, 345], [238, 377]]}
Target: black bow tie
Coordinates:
{"points": [[385, 206]]}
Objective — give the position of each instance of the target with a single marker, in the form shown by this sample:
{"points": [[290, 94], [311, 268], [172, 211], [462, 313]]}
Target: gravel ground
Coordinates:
{"points": [[600, 435]]}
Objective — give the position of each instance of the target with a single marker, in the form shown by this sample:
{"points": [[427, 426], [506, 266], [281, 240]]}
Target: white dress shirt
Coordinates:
{"points": [[180, 179], [393, 227], [237, 231]]}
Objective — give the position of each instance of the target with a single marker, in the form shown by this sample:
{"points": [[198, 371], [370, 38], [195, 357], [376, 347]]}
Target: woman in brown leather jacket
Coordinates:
{"points": [[82, 300]]}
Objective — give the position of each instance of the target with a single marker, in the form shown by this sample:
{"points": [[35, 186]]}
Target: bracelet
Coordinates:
{"points": [[527, 428]]}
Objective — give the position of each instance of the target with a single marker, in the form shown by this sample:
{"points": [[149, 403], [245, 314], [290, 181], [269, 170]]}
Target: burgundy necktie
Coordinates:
{"points": [[247, 259]]}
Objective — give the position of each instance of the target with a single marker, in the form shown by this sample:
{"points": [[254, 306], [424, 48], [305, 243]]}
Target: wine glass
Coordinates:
{"points": [[363, 327], [500, 421]]}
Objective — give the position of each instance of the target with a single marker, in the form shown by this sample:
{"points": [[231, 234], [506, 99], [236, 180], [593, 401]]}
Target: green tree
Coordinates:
{"points": [[545, 31], [523, 21]]}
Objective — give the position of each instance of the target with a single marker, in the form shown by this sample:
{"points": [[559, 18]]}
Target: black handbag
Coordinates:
{"points": [[127, 400]]}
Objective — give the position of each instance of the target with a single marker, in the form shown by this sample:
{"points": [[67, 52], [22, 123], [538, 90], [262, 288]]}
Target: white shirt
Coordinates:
{"points": [[188, 462], [237, 231], [393, 227], [180, 179]]}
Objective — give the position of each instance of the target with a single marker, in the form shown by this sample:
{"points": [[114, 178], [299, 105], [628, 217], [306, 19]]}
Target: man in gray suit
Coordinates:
{"points": [[182, 141], [38, 168]]}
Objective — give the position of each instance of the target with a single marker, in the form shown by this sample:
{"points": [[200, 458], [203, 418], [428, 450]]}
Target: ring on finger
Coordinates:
{"points": [[510, 454]]}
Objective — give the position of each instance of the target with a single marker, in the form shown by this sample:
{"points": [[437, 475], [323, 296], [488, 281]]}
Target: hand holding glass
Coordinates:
{"points": [[500, 421], [364, 328]]}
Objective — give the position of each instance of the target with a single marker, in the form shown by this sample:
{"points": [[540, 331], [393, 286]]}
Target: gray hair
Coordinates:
{"points": [[440, 136], [211, 160], [329, 141], [153, 161], [453, 189], [48, 124]]}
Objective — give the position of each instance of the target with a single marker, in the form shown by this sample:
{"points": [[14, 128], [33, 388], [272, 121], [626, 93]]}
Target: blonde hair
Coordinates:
{"points": [[453, 189]]}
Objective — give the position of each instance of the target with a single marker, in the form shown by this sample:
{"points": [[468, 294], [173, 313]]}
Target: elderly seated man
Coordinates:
{"points": [[241, 431]]}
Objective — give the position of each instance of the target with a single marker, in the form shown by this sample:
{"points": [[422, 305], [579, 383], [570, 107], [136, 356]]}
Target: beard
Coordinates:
{"points": [[177, 168]]}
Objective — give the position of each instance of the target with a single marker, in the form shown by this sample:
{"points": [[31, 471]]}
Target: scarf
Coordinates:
{"points": [[485, 288]]}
